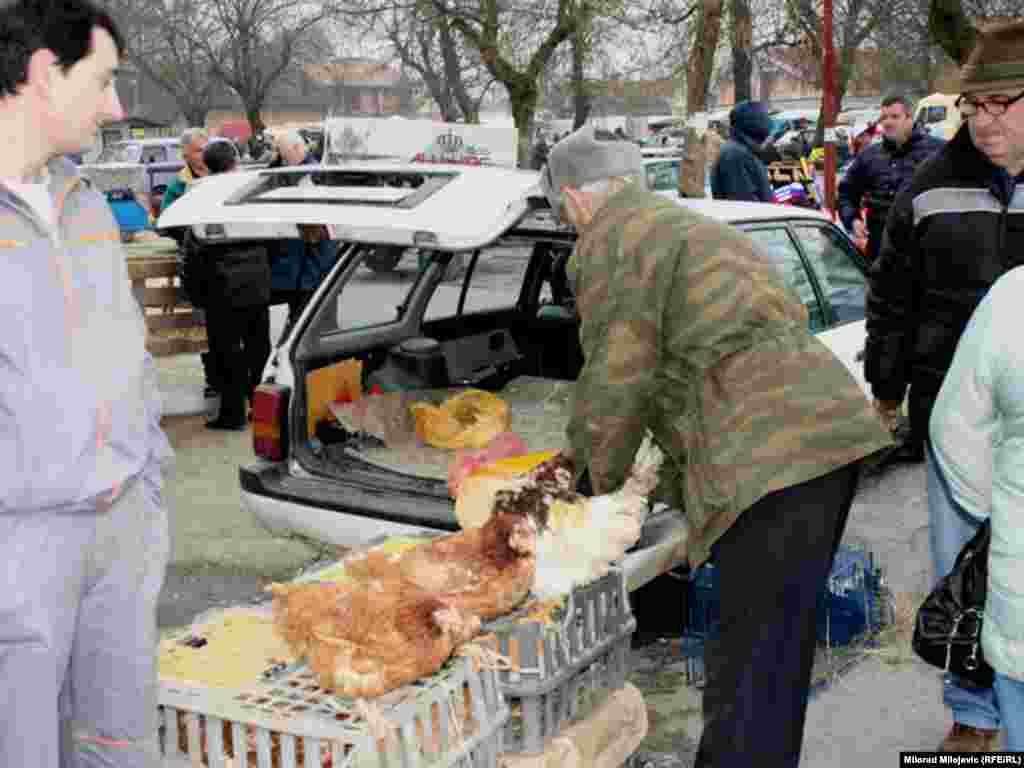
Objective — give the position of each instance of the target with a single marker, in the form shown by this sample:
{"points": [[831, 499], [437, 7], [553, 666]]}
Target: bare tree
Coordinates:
{"points": [[702, 55], [425, 42], [515, 44], [742, 49], [252, 45], [854, 22], [158, 48]]}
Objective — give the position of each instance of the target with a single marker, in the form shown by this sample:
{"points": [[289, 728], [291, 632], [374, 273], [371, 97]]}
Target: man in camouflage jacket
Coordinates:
{"points": [[689, 331]]}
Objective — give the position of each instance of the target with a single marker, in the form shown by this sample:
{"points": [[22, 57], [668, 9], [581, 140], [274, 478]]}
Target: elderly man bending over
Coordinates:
{"points": [[688, 330]]}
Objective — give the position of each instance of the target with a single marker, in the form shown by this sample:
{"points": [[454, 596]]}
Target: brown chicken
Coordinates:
{"points": [[486, 571], [401, 615], [365, 640]]}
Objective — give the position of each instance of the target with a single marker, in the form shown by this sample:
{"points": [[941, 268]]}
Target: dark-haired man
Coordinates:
{"points": [[878, 172], [82, 522], [238, 310]]}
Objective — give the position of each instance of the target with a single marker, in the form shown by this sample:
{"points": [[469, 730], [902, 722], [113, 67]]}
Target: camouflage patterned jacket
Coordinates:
{"points": [[689, 331]]}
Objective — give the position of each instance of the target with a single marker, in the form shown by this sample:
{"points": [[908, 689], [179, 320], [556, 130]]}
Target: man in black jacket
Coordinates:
{"points": [[237, 310], [739, 174], [877, 173], [951, 233]]}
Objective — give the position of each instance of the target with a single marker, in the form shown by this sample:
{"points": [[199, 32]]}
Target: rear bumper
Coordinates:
{"points": [[338, 514], [275, 499]]}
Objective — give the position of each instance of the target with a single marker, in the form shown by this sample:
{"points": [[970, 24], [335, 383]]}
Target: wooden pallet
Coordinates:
{"points": [[174, 327]]}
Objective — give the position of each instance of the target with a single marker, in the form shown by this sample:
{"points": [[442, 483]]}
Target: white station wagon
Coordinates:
{"points": [[507, 325]]}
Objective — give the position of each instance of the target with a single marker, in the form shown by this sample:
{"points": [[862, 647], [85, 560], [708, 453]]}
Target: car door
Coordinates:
{"points": [[828, 279], [841, 273]]}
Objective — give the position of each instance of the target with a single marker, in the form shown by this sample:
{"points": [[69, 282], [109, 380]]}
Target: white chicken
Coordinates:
{"points": [[579, 536]]}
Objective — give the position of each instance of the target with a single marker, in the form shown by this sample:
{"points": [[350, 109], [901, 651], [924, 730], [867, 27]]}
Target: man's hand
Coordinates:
{"points": [[889, 412], [859, 229]]}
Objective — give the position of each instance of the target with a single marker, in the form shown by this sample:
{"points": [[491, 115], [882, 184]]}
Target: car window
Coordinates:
{"points": [[369, 297], [495, 283], [780, 248], [156, 154], [662, 176], [841, 280], [934, 114]]}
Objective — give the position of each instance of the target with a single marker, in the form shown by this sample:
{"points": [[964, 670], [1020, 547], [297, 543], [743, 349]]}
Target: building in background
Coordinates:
{"points": [[352, 87]]}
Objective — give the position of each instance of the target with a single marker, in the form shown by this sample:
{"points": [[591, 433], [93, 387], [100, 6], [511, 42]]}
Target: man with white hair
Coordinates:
{"points": [[193, 142], [84, 537], [689, 331], [291, 149], [299, 266]]}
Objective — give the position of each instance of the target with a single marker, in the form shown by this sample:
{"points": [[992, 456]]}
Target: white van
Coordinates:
{"points": [[939, 115]]}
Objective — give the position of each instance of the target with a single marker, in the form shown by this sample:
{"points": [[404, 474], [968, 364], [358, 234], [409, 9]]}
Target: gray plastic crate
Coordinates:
{"points": [[558, 670], [454, 719]]}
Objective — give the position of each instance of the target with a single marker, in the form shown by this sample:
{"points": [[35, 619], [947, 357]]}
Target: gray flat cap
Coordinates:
{"points": [[580, 159]]}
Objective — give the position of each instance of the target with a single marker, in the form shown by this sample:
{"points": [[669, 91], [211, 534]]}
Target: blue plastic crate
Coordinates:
{"points": [[702, 602], [130, 216], [848, 602]]}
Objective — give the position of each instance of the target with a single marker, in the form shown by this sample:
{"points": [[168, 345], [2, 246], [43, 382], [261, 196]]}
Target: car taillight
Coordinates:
{"points": [[270, 422]]}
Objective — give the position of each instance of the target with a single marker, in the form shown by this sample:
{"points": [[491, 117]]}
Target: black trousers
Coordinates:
{"points": [[239, 345], [771, 565]]}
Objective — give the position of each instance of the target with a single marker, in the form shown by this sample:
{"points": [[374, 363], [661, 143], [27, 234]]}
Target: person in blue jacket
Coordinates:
{"points": [[739, 174], [300, 264]]}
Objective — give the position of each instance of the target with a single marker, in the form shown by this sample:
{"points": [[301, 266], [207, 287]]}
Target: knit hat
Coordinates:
{"points": [[997, 60], [581, 159]]}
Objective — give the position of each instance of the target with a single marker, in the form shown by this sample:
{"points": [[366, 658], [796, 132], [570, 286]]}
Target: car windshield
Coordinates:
{"points": [[120, 153]]}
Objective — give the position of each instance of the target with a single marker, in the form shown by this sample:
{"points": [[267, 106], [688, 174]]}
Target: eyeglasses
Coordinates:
{"points": [[995, 106]]}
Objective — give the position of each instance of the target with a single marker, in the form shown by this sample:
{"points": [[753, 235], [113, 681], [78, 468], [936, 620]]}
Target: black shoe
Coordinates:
{"points": [[211, 392], [227, 425]]}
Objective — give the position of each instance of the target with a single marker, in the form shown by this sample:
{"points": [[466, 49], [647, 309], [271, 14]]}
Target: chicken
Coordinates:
{"points": [[363, 640], [400, 615], [578, 537], [485, 571]]}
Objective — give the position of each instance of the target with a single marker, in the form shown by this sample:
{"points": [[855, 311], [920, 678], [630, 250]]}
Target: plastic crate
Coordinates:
{"points": [[557, 670], [702, 602], [851, 603], [130, 216], [454, 719]]}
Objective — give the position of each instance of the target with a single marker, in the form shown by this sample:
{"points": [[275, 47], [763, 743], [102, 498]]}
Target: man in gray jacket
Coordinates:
{"points": [[82, 521]]}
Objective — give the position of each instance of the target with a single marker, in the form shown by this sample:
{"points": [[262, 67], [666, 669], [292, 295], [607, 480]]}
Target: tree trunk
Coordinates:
{"points": [[951, 29], [580, 96], [702, 55], [524, 106], [453, 75], [742, 43], [195, 115], [252, 114]]}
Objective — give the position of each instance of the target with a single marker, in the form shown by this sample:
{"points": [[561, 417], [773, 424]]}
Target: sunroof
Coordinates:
{"points": [[387, 189]]}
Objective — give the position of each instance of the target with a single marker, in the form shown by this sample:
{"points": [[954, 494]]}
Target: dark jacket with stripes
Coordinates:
{"points": [[952, 232]]}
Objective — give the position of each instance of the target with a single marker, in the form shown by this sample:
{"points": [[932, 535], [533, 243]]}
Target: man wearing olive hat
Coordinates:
{"points": [[689, 331], [951, 233]]}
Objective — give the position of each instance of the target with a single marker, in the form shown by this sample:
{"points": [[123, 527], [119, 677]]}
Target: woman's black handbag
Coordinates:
{"points": [[947, 633]]}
